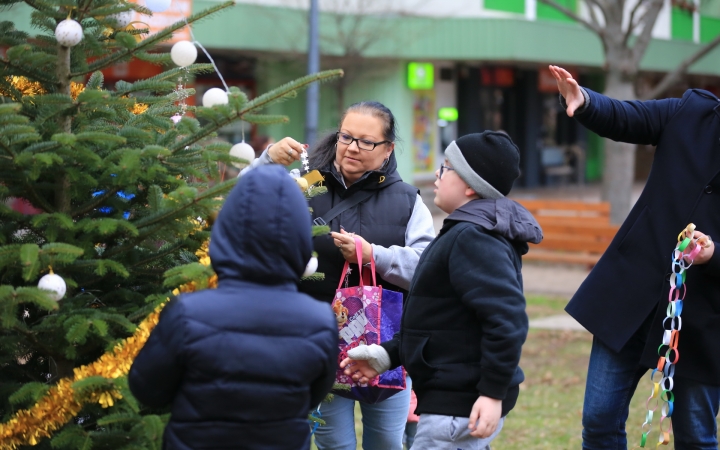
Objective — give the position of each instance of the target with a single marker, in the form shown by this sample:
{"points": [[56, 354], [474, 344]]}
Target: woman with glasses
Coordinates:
{"points": [[394, 226]]}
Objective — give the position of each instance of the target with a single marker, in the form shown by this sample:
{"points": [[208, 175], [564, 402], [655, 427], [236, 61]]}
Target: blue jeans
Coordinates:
{"points": [[611, 382], [383, 423]]}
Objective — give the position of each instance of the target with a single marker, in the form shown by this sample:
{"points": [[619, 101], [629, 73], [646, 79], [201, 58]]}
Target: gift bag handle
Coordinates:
{"points": [[358, 253]]}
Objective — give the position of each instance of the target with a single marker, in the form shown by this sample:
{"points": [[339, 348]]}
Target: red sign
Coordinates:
{"points": [[497, 76]]}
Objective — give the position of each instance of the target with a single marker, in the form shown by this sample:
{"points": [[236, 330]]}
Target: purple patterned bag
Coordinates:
{"points": [[367, 315]]}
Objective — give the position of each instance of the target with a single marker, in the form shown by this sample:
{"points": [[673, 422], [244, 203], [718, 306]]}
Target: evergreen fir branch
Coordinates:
{"points": [[258, 103], [315, 191], [29, 392], [150, 41], [112, 419], [317, 276], [35, 296], [9, 255], [30, 261], [265, 119], [320, 230], [168, 213]]}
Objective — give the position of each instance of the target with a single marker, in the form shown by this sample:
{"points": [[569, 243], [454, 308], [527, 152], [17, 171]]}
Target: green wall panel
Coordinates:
{"points": [[513, 6], [710, 8], [547, 12], [709, 28], [682, 24]]}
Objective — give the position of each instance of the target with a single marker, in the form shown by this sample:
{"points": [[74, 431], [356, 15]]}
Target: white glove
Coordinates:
{"points": [[376, 356]]}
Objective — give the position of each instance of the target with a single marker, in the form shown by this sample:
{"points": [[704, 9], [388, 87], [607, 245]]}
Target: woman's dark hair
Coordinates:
{"points": [[323, 152]]}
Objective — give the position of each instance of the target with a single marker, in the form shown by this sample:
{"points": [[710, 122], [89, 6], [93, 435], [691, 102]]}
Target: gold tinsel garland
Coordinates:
{"points": [[60, 404], [32, 88]]}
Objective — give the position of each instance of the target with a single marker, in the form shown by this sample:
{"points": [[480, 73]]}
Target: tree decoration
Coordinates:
{"points": [[214, 96], [242, 151], [71, 150], [68, 33], [183, 53], [311, 267], [123, 19], [54, 285]]}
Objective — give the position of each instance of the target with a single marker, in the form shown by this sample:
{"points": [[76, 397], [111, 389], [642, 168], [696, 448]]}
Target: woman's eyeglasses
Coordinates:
{"points": [[363, 144], [443, 168]]}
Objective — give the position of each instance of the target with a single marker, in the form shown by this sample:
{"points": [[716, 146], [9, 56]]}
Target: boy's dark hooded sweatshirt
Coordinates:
{"points": [[241, 365], [464, 320]]}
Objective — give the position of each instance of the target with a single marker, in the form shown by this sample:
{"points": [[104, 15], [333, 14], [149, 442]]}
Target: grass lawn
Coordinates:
{"points": [[549, 410]]}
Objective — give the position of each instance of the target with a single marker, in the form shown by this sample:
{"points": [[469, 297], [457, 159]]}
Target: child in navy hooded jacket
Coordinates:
{"points": [[464, 321], [243, 364]]}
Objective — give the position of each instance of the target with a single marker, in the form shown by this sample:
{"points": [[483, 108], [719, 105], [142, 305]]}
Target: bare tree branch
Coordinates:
{"points": [[602, 6], [593, 15], [673, 77], [571, 14], [631, 22], [643, 40]]}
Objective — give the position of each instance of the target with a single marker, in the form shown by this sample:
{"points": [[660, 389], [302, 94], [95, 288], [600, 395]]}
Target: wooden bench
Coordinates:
{"points": [[574, 231]]}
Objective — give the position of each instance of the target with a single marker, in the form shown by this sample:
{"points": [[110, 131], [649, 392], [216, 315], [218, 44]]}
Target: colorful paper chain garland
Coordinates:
{"points": [[668, 351]]}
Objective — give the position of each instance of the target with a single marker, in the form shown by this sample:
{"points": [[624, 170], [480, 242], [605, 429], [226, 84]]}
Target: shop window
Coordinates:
{"points": [[547, 12], [512, 6], [681, 23]]}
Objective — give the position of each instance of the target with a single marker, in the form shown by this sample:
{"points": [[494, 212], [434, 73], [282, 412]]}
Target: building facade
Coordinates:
{"points": [[446, 68]]}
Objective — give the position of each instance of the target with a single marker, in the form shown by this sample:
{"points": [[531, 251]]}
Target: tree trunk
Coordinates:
{"points": [[619, 164]]}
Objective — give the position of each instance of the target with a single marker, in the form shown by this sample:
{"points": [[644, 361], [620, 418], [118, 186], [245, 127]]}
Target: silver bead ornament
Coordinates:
{"points": [[68, 33], [242, 151], [54, 285]]}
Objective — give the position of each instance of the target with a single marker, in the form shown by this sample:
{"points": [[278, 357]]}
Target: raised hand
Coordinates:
{"points": [[569, 89], [286, 151]]}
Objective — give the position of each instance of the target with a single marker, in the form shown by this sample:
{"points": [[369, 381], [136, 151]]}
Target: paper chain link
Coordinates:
{"points": [[681, 260]]}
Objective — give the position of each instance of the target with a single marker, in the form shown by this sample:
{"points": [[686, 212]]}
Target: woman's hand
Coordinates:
{"points": [[286, 151], [346, 243], [569, 89], [704, 241]]}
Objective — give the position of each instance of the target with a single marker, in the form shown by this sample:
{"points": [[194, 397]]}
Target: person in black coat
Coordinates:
{"points": [[464, 322], [243, 364], [623, 301]]}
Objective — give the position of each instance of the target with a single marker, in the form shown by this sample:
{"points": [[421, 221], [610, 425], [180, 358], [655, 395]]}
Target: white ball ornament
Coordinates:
{"points": [[123, 19], [157, 5], [242, 151], [68, 33], [311, 267], [54, 284], [214, 96], [183, 53]]}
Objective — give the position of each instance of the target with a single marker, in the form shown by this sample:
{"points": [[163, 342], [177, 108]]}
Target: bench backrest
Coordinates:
{"points": [[592, 211]]}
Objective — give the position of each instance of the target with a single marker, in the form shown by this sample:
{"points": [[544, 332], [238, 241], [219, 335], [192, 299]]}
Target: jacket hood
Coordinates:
{"points": [[263, 232], [372, 179], [503, 216]]}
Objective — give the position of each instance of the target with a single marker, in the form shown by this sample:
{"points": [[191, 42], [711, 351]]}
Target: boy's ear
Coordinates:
{"points": [[470, 193]]}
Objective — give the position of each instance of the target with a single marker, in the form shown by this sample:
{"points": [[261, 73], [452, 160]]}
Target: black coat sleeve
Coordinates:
{"points": [[636, 122], [157, 371], [483, 274]]}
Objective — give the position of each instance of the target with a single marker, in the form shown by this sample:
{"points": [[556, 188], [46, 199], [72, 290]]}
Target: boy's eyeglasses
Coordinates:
{"points": [[363, 144], [443, 168]]}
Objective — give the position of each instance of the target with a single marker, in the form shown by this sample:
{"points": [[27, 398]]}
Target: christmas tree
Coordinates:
{"points": [[122, 187]]}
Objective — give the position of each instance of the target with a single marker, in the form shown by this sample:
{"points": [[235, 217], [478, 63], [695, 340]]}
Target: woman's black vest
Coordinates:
{"points": [[381, 219]]}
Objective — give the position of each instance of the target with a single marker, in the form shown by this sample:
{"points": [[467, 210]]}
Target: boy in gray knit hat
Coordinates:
{"points": [[464, 320]]}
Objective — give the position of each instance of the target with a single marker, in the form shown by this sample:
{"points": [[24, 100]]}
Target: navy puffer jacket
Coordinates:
{"points": [[243, 364]]}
